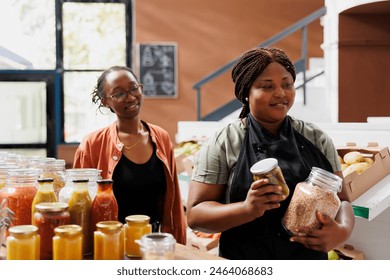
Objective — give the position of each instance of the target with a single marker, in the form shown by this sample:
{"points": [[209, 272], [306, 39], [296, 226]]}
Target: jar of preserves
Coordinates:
{"points": [[136, 226], [45, 193], [269, 169], [19, 193], [158, 246], [47, 217], [68, 242], [75, 174], [109, 241], [23, 243], [104, 206], [80, 211], [317, 193], [55, 168]]}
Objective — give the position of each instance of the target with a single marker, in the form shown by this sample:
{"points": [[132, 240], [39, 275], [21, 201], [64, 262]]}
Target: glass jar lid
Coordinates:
{"points": [[51, 206], [137, 219], [23, 230], [155, 239], [68, 230], [264, 166], [109, 226]]}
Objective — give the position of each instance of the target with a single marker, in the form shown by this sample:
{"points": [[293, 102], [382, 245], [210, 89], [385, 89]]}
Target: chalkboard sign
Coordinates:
{"points": [[158, 70]]}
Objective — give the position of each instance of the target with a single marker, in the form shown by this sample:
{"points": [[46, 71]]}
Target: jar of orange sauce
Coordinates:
{"points": [[68, 242], [23, 243], [109, 241], [136, 226]]}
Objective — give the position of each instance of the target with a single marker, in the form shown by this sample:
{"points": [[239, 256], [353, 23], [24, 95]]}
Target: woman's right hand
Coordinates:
{"points": [[262, 197]]}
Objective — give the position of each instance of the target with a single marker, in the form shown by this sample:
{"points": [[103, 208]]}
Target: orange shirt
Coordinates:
{"points": [[102, 150]]}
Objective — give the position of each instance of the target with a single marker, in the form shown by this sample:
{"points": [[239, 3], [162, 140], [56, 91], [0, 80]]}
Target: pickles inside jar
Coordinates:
{"points": [[269, 169]]}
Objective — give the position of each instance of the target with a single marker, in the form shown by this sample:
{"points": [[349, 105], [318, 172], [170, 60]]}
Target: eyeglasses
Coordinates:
{"points": [[122, 95]]}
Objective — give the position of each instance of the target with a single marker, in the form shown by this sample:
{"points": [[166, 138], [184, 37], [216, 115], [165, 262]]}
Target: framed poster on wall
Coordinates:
{"points": [[157, 64]]}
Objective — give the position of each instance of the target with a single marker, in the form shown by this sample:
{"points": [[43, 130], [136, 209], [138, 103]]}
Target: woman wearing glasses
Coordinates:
{"points": [[136, 155]]}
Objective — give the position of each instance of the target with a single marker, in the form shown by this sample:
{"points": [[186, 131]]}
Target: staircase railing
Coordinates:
{"points": [[300, 65]]}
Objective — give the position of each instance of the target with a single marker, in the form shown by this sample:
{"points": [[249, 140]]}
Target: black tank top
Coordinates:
{"points": [[140, 188]]}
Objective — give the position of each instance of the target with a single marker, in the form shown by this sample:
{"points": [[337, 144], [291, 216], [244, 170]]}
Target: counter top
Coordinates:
{"points": [[182, 252]]}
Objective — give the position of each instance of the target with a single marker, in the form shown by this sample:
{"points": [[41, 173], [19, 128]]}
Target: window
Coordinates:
{"points": [[48, 73]]}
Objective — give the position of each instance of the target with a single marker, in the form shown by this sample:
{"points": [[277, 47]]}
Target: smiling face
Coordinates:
{"points": [[271, 95], [118, 82]]}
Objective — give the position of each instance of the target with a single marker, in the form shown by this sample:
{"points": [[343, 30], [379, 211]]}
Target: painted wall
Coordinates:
{"points": [[364, 62], [210, 34]]}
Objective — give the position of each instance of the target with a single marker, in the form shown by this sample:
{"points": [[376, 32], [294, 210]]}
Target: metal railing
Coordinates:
{"points": [[300, 64]]}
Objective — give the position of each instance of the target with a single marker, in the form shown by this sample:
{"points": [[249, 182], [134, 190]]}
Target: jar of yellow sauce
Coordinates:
{"points": [[23, 243], [136, 226], [45, 193], [80, 212], [68, 243], [109, 241]]}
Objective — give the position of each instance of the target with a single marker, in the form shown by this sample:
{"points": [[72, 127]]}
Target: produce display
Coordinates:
{"points": [[355, 161], [187, 148]]}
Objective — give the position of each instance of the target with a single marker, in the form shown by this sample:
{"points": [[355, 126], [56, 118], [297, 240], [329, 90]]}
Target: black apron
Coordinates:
{"points": [[265, 237]]}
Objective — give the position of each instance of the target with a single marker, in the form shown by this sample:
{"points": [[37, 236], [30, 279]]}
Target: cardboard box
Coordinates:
{"points": [[348, 252], [357, 184]]}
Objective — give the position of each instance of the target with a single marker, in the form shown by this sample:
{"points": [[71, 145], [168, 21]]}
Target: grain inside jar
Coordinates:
{"points": [[317, 193]]}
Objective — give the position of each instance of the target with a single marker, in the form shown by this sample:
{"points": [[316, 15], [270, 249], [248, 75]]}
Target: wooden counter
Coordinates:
{"points": [[182, 252]]}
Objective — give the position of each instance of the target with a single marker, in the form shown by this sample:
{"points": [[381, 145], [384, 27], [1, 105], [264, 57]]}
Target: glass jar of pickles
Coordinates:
{"points": [[136, 226], [158, 246], [269, 169], [47, 217], [109, 241], [23, 243], [68, 242]]}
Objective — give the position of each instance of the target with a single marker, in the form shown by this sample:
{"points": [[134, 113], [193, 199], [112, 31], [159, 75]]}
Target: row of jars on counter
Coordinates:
{"points": [[112, 240], [47, 200]]}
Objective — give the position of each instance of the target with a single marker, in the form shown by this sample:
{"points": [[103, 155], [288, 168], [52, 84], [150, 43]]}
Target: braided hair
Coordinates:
{"points": [[98, 93], [250, 65]]}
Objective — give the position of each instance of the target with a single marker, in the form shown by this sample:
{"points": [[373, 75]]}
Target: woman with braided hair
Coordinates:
{"points": [[223, 196]]}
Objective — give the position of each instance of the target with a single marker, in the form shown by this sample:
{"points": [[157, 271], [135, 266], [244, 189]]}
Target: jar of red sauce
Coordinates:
{"points": [[104, 206], [19, 193], [47, 217]]}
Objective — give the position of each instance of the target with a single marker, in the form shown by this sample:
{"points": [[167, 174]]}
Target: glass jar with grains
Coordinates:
{"points": [[317, 193]]}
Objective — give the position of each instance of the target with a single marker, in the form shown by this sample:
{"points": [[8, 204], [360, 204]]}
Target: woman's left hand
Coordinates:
{"points": [[330, 235]]}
